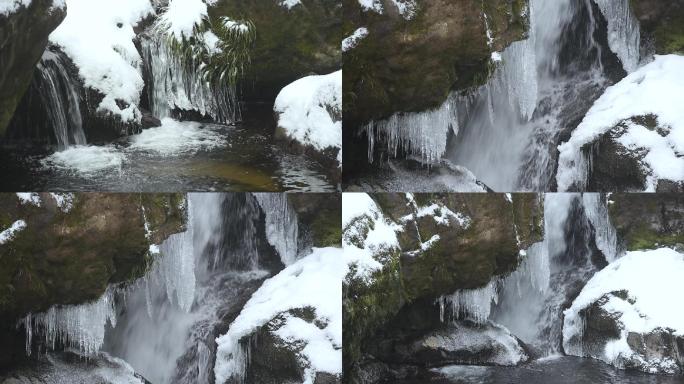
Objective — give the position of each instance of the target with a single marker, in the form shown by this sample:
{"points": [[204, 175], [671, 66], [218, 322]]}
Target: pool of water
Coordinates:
{"points": [[558, 370], [178, 156]]}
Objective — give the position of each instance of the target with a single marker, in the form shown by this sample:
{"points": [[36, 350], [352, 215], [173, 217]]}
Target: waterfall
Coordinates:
{"points": [[532, 314], [281, 225], [164, 323], [596, 208], [624, 35], [59, 95], [174, 83]]}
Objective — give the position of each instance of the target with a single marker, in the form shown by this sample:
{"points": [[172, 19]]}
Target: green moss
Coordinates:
{"points": [[643, 237], [327, 231]]}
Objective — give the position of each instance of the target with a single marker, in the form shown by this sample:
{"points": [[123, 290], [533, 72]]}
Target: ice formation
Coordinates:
{"points": [[309, 110], [650, 90], [281, 225], [173, 83], [81, 327], [469, 304], [596, 209], [624, 36], [422, 134]]}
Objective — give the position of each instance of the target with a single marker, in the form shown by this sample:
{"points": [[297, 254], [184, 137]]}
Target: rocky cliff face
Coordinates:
{"points": [[648, 221], [291, 42], [445, 242], [662, 24], [23, 38], [72, 246], [411, 61]]}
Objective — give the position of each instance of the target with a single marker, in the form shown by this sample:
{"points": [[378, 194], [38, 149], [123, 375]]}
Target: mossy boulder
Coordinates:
{"points": [[290, 42], [476, 242], [274, 360], [662, 24], [412, 63], [648, 221], [71, 257], [23, 38], [318, 216]]}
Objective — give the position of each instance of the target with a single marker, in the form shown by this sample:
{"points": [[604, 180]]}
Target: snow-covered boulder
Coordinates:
{"points": [[629, 314], [24, 26], [309, 112], [633, 136], [293, 317]]}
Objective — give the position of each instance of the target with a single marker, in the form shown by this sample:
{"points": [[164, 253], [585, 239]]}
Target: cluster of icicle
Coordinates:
{"points": [[82, 327], [174, 83], [596, 209], [425, 134], [623, 31], [281, 225]]}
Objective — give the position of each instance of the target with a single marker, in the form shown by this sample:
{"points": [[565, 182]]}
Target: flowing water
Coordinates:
{"points": [[507, 131], [163, 325]]}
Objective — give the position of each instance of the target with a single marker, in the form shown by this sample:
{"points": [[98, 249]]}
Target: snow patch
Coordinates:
{"points": [[9, 233], [652, 89], [353, 40], [29, 198], [303, 111], [65, 201]]}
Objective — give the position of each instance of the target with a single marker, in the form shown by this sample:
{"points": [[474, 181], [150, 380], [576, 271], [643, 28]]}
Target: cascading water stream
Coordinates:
{"points": [[164, 324], [59, 96]]}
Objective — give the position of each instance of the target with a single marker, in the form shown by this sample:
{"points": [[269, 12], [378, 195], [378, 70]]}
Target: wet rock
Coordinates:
{"points": [[647, 221], [149, 120], [318, 216], [24, 38], [662, 24], [411, 62]]}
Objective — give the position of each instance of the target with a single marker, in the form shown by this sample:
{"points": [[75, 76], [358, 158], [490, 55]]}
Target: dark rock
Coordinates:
{"points": [[662, 24], [24, 36], [318, 216], [149, 120]]}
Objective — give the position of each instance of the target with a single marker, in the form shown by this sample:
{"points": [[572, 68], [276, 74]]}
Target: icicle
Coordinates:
{"points": [[281, 225], [534, 269], [81, 327], [175, 84], [624, 35], [422, 134], [596, 209], [469, 304]]}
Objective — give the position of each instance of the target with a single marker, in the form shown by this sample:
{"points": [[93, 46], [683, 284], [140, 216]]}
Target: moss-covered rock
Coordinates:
{"points": [[71, 257], [662, 24], [475, 237], [290, 43], [412, 64], [318, 216], [648, 221], [23, 38]]}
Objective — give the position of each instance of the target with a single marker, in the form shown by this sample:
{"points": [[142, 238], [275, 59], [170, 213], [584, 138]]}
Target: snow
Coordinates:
{"points": [[86, 160], [11, 6], [652, 89], [181, 16], [314, 281], [65, 201], [353, 40], [9, 233], [367, 233], [653, 280], [175, 137], [302, 109], [406, 8], [289, 3], [104, 52], [29, 198], [441, 214]]}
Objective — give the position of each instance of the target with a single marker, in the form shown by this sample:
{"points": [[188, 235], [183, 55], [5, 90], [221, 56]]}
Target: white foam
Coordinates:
{"points": [[176, 137], [86, 159]]}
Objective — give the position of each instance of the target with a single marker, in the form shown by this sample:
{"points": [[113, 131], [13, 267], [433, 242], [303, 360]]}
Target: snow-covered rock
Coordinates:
{"points": [[633, 136], [310, 112], [629, 314], [313, 285], [98, 37], [465, 343]]}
